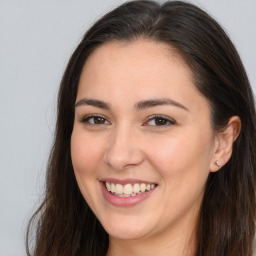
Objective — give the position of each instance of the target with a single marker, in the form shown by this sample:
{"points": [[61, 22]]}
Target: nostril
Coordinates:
{"points": [[120, 158]]}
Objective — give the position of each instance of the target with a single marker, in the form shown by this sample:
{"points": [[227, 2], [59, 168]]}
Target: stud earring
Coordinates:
{"points": [[217, 163]]}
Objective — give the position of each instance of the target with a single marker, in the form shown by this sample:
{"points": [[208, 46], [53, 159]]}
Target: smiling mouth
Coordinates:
{"points": [[128, 190]]}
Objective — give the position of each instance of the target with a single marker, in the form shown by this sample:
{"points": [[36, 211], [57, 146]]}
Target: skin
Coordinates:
{"points": [[128, 142]]}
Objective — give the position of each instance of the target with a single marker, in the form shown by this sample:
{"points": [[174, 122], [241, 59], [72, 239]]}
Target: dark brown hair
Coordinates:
{"points": [[65, 224]]}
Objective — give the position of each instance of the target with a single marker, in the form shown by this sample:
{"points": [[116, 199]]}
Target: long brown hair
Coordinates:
{"points": [[226, 224]]}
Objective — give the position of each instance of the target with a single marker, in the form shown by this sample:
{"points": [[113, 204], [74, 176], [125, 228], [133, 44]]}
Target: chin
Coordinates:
{"points": [[127, 230], [126, 235]]}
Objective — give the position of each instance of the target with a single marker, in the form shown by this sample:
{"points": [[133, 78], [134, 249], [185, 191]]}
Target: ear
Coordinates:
{"points": [[224, 141]]}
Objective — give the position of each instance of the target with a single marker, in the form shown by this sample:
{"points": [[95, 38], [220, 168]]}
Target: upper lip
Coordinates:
{"points": [[125, 181]]}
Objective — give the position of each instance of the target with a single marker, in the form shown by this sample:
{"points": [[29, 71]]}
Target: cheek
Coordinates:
{"points": [[168, 153], [181, 154], [183, 164], [85, 154]]}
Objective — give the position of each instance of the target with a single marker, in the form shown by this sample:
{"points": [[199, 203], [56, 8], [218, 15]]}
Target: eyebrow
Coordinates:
{"points": [[94, 103], [138, 106], [158, 102]]}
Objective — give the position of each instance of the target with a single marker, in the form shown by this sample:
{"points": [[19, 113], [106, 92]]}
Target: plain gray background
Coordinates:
{"points": [[36, 41]]}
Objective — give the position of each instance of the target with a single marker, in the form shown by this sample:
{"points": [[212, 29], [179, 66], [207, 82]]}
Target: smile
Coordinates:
{"points": [[128, 190], [126, 193]]}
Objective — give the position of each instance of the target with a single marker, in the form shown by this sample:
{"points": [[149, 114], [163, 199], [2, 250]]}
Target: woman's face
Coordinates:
{"points": [[141, 130]]}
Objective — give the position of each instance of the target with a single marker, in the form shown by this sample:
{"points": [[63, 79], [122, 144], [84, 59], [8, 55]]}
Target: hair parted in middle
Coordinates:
{"points": [[226, 224]]}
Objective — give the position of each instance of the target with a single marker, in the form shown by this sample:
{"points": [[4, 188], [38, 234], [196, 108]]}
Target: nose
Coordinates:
{"points": [[124, 150]]}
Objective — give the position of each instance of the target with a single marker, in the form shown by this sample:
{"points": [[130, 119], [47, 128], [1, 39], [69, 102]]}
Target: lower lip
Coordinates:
{"points": [[125, 201]]}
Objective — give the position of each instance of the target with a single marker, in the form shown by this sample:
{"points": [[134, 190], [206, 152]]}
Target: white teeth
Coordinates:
{"points": [[142, 187], [113, 188], [119, 189], [108, 186], [136, 188], [152, 186], [128, 189]]}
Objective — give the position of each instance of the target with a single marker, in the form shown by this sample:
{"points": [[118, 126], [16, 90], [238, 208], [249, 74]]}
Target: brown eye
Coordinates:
{"points": [[160, 121], [95, 120], [98, 120]]}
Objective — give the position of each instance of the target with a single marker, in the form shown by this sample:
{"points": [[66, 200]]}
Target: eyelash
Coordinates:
{"points": [[167, 121], [87, 118]]}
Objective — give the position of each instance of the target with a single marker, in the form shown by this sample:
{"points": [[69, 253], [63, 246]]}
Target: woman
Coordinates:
{"points": [[154, 150]]}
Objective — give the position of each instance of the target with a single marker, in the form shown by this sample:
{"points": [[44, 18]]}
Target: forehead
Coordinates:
{"points": [[147, 54], [136, 71]]}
